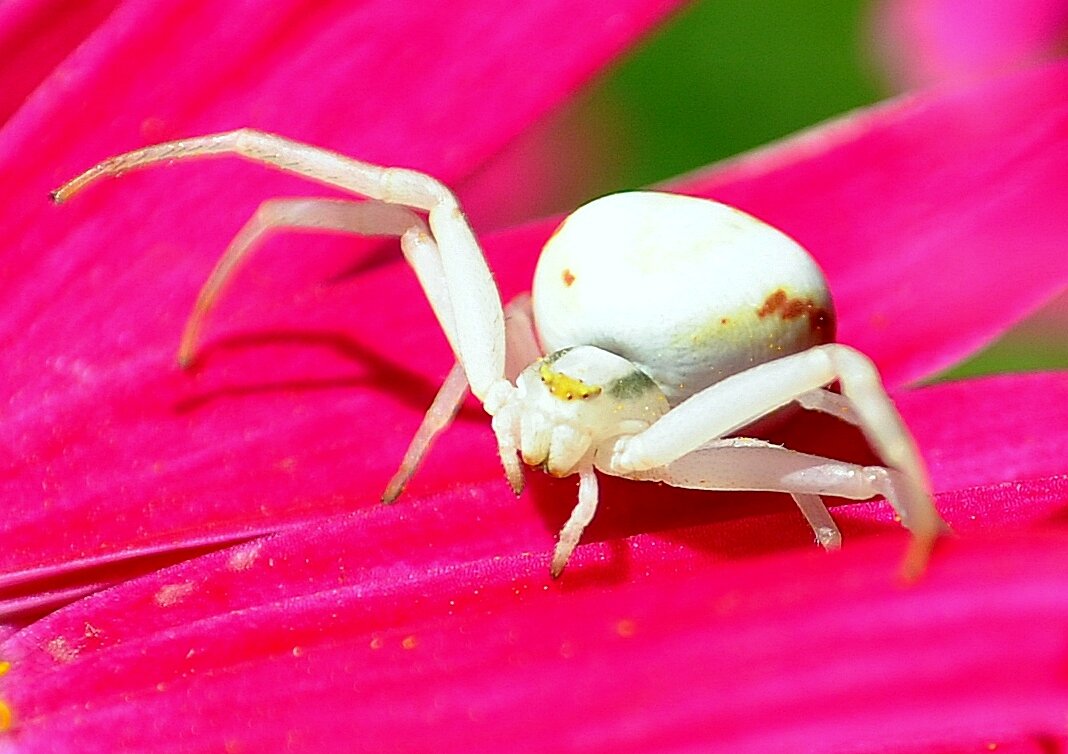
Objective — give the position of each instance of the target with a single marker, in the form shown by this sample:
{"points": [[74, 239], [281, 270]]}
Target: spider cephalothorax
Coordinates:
{"points": [[571, 406]]}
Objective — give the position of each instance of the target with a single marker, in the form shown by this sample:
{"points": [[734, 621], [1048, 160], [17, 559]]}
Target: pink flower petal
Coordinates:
{"points": [[309, 394], [35, 35], [334, 638], [962, 427], [93, 292], [432, 624], [994, 429], [929, 41]]}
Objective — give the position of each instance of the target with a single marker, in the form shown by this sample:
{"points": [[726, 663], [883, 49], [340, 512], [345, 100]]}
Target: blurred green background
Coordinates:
{"points": [[766, 68]]}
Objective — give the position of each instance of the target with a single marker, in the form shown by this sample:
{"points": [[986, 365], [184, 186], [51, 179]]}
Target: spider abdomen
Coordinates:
{"points": [[689, 290]]}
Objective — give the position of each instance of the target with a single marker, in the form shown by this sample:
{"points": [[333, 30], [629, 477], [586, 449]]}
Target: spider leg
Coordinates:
{"points": [[748, 464], [828, 402], [521, 336], [819, 518], [522, 343], [393, 185], [578, 521], [479, 318], [438, 417], [742, 398], [812, 507], [522, 350], [329, 215]]}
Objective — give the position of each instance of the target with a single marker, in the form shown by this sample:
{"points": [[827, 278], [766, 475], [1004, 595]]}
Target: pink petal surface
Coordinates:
{"points": [[929, 41], [311, 389], [35, 35], [403, 629], [90, 290]]}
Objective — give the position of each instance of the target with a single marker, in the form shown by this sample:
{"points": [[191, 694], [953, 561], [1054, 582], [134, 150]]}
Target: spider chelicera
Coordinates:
{"points": [[670, 324]]}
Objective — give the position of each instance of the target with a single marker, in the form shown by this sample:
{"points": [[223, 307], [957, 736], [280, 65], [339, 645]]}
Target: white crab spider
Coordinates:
{"points": [[670, 324]]}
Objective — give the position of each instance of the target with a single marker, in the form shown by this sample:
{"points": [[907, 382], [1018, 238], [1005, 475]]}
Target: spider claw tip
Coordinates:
{"points": [[917, 557], [187, 358]]}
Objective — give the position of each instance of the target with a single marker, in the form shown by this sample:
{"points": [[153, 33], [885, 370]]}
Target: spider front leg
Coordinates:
{"points": [[828, 402], [478, 317], [742, 398], [368, 218], [746, 464], [523, 349], [580, 518], [443, 252], [819, 518]]}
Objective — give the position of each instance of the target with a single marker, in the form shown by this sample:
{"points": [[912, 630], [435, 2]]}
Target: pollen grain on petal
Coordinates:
{"points": [[172, 594], [244, 557], [61, 650]]}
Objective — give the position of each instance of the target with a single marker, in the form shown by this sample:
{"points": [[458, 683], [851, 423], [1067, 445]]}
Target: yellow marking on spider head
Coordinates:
{"points": [[5, 717], [564, 387]]}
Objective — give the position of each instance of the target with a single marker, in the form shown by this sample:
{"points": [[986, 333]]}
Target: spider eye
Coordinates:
{"points": [[565, 387]]}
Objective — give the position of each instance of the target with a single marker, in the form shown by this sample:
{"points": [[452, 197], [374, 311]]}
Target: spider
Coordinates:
{"points": [[659, 326]]}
